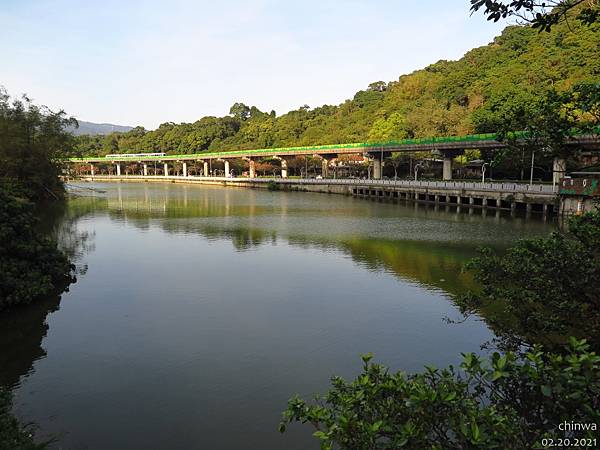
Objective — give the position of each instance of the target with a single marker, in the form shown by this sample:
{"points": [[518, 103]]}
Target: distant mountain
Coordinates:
{"points": [[97, 128]]}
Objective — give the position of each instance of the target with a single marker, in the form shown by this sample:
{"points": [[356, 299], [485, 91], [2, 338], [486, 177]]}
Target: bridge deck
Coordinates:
{"points": [[476, 141]]}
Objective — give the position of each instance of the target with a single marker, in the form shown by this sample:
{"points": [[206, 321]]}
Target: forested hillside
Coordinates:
{"points": [[445, 98]]}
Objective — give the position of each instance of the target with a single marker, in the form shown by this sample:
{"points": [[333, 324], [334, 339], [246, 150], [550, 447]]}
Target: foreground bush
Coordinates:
{"points": [[31, 266], [506, 402]]}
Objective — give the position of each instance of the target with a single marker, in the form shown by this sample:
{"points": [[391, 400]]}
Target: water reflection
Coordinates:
{"points": [[22, 330], [424, 244], [21, 335]]}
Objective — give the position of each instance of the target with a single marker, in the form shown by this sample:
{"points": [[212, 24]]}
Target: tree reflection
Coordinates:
{"points": [[23, 329], [433, 265]]}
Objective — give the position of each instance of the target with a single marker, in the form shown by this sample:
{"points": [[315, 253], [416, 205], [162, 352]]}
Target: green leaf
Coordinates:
{"points": [[475, 431], [546, 390]]}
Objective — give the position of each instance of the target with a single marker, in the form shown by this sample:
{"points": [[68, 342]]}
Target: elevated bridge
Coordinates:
{"points": [[446, 147]]}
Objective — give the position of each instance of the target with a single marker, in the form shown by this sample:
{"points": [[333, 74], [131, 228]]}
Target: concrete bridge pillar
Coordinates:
{"points": [[118, 169], [166, 170], [92, 169], [447, 172], [205, 169], [325, 168], [145, 170], [227, 172], [559, 168], [184, 169], [252, 168], [284, 167], [377, 168]]}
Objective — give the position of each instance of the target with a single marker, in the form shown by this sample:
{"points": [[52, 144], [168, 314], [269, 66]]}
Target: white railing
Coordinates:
{"points": [[450, 185]]}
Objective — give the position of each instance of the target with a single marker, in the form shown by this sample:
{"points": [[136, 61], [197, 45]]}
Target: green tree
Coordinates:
{"points": [[240, 111], [33, 142], [503, 402], [548, 120], [540, 14], [396, 159], [394, 127]]}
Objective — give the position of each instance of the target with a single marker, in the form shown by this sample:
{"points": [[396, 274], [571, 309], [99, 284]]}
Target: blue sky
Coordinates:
{"points": [[144, 63]]}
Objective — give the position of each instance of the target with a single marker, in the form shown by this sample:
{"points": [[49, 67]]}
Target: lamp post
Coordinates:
{"points": [[532, 163], [417, 167]]}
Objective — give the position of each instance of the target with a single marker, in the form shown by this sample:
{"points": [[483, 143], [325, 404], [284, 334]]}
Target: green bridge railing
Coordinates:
{"points": [[366, 146]]}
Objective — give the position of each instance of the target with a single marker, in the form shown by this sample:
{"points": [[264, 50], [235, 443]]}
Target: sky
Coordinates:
{"points": [[132, 62]]}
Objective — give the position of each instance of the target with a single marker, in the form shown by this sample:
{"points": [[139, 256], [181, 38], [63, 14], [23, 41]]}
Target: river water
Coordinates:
{"points": [[200, 310]]}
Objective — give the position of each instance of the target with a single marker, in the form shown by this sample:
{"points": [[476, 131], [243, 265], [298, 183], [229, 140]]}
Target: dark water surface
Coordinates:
{"points": [[201, 310]]}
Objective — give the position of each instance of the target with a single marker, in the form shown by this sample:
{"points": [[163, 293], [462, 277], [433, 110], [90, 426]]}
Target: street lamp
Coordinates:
{"points": [[417, 167], [532, 164], [483, 169]]}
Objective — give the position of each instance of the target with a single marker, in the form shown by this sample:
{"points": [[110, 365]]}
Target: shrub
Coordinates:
{"points": [[31, 266], [505, 402]]}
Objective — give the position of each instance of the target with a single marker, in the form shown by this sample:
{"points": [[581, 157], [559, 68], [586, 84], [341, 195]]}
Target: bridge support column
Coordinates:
{"points": [[145, 170], [324, 168], [559, 167], [118, 169], [447, 171], [92, 169], [185, 169], [227, 172], [284, 168], [252, 168], [377, 168], [166, 170], [205, 169]]}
